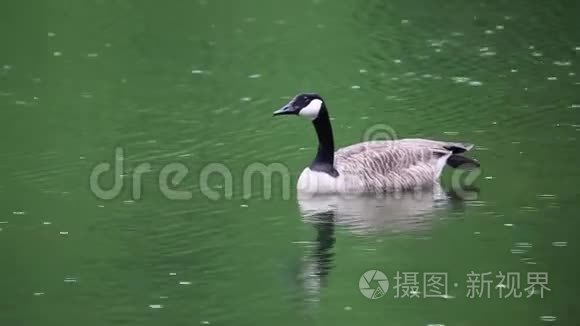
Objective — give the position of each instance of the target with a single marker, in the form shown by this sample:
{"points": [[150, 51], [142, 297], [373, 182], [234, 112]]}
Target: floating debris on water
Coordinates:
{"points": [[562, 63], [347, 308], [254, 76], [559, 243], [172, 274], [205, 322], [362, 71], [355, 87], [245, 99], [548, 318], [57, 53], [551, 78], [460, 80], [197, 72], [537, 54], [70, 280], [397, 61], [499, 27], [513, 70], [244, 205], [36, 294], [489, 178], [489, 31], [63, 233], [547, 196], [19, 212], [508, 224], [46, 223], [155, 306], [475, 83], [184, 283]]}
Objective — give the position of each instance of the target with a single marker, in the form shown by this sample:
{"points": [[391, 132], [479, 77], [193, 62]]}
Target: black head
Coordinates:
{"points": [[307, 104]]}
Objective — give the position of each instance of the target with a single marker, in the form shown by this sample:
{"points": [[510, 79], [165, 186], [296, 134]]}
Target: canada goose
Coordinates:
{"points": [[372, 166]]}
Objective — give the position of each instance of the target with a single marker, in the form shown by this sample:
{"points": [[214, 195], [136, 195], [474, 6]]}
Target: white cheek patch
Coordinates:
{"points": [[311, 110]]}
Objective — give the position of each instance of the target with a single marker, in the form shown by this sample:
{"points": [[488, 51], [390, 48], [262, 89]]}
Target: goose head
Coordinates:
{"points": [[307, 105]]}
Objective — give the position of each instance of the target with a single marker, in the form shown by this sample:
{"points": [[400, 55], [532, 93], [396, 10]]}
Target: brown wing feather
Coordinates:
{"points": [[392, 165]]}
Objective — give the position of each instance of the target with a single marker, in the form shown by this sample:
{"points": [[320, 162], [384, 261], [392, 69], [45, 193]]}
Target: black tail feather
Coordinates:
{"points": [[462, 162]]}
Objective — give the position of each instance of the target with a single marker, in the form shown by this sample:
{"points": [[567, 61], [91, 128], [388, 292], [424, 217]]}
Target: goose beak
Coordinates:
{"points": [[285, 110]]}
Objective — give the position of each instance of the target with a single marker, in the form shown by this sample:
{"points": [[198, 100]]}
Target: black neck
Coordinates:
{"points": [[324, 160]]}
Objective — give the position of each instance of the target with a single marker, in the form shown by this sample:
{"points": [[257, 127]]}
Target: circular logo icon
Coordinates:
{"points": [[373, 284]]}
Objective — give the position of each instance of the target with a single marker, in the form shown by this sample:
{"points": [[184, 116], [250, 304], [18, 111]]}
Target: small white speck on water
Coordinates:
{"points": [[404, 21], [204, 322], [552, 78], [355, 87], [254, 76], [507, 17], [108, 45], [477, 233], [537, 54], [489, 178], [246, 99], [435, 324], [172, 274], [397, 61], [70, 280], [92, 55], [362, 71], [155, 306], [531, 47], [559, 243], [163, 297], [571, 74], [508, 224], [577, 48], [546, 196], [36, 294], [548, 318], [487, 54], [499, 27], [184, 283], [19, 212], [57, 53], [347, 308], [364, 118], [100, 206], [513, 70], [574, 106], [475, 83], [6, 67], [489, 31], [460, 80], [243, 205], [197, 72], [562, 63], [63, 233], [451, 133], [51, 34], [46, 223]]}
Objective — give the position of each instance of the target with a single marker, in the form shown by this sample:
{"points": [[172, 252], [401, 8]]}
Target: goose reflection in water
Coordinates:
{"points": [[360, 215]]}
